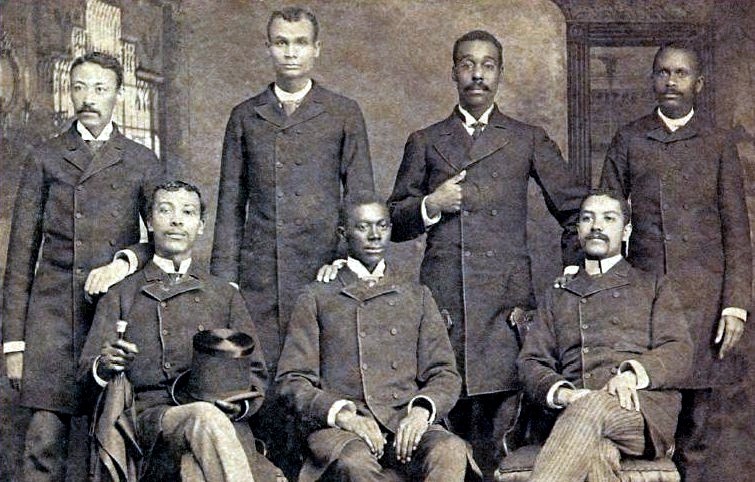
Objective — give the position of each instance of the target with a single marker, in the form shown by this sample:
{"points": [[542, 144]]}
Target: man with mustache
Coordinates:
{"points": [[463, 181], [608, 349], [79, 200], [689, 220]]}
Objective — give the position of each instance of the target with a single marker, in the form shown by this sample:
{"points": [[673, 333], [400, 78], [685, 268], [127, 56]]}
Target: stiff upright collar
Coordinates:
{"points": [[601, 266], [362, 272], [285, 96], [674, 124], [168, 266], [88, 136]]}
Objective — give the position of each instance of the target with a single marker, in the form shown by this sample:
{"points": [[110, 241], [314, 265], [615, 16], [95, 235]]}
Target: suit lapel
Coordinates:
{"points": [[158, 287], [361, 291], [453, 143], [310, 108], [659, 132], [77, 153], [111, 153], [584, 285], [492, 140], [269, 109]]}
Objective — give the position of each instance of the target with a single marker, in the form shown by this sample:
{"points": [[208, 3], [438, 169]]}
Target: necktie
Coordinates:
{"points": [[289, 106], [478, 127], [95, 146], [174, 278]]}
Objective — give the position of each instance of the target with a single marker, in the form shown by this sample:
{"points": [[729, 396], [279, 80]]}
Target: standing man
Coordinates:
{"points": [[463, 181], [368, 367], [79, 200], [689, 221], [290, 156], [608, 351]]}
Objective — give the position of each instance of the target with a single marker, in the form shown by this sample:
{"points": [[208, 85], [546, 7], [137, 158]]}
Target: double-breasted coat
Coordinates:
{"points": [[282, 182], [585, 331], [162, 321], [689, 221], [378, 347], [476, 262], [73, 211]]}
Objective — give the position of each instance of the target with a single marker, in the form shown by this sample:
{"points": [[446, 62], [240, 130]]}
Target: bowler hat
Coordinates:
{"points": [[220, 369]]}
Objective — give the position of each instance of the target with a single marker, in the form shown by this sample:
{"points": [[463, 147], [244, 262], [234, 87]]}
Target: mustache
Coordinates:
{"points": [[600, 236], [87, 109], [477, 86]]}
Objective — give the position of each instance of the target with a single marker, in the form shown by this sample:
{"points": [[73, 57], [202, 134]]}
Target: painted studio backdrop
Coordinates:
{"points": [[578, 69]]}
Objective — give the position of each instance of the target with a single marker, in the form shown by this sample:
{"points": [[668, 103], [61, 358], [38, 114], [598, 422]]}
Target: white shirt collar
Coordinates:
{"points": [[88, 136], [674, 124], [168, 266], [601, 266], [284, 96], [469, 118], [363, 273]]}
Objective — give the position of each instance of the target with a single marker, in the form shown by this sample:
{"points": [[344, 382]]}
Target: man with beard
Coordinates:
{"points": [[79, 200], [463, 181], [689, 220]]}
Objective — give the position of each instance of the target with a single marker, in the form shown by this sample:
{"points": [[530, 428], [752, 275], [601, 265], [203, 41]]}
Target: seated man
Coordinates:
{"points": [[368, 367], [165, 304], [608, 348]]}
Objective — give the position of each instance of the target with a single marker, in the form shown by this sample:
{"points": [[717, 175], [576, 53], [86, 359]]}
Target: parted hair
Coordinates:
{"points": [[173, 186], [481, 35], [294, 14], [615, 195], [106, 61], [687, 45]]}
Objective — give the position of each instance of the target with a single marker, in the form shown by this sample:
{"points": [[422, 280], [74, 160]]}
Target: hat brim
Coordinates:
{"points": [[180, 395]]}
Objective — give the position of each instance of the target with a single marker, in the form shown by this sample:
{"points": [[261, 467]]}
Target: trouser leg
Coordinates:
{"points": [[205, 440], [483, 420], [357, 464], [692, 434], [440, 457], [586, 440], [46, 446]]}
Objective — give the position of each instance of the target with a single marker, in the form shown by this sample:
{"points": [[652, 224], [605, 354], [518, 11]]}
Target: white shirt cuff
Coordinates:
{"points": [[429, 221], [337, 406], [550, 397], [571, 270], [14, 346], [432, 407], [735, 312], [130, 258], [242, 414], [96, 377], [235, 285], [643, 380]]}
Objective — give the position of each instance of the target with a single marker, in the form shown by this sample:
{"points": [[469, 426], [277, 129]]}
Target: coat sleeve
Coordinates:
{"points": [[103, 330], [437, 376], [23, 248], [562, 191], [668, 363], [356, 166], [240, 319], [233, 193], [538, 362], [298, 375], [615, 174], [409, 189], [735, 230]]}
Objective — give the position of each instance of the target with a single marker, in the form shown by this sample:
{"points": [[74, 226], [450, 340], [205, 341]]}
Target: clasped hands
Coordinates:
{"points": [[622, 386], [409, 433]]}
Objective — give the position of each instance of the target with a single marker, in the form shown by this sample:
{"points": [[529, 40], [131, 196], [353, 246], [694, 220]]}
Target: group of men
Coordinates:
{"points": [[379, 377]]}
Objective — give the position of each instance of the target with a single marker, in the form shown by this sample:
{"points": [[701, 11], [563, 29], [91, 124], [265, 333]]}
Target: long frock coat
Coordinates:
{"points": [[689, 221], [379, 347], [476, 262], [587, 329], [282, 182], [73, 211]]}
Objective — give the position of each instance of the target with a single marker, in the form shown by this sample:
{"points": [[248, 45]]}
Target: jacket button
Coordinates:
{"points": [[79, 188], [200, 327], [667, 237], [196, 299], [493, 212], [614, 370], [77, 215], [393, 331], [114, 214], [279, 165], [394, 365], [279, 194], [583, 300], [586, 349], [665, 207], [165, 332], [685, 238], [585, 326], [78, 242], [364, 366], [167, 365], [280, 222], [615, 321], [111, 242], [588, 375], [394, 395], [494, 174], [113, 185], [79, 270], [163, 304], [615, 294], [298, 222], [685, 206], [297, 193], [362, 334], [391, 303], [465, 213], [297, 162], [489, 254], [467, 253]]}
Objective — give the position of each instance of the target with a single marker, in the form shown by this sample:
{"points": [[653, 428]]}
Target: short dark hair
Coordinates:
{"points": [[294, 14], [359, 198], [686, 45], [483, 36], [106, 61], [173, 186], [615, 195]]}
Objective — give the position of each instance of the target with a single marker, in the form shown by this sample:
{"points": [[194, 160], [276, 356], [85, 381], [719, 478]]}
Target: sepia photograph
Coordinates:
{"points": [[377, 240]]}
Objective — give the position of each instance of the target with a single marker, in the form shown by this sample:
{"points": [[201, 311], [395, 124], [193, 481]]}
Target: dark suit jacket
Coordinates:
{"points": [[689, 220], [162, 320], [587, 329], [379, 347], [476, 262], [282, 182], [78, 210]]}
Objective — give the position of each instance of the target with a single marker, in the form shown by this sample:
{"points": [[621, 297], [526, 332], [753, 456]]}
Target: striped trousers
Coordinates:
{"points": [[588, 439]]}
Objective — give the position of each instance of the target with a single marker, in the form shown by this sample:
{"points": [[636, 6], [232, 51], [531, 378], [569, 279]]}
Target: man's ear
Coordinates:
{"points": [[317, 48], [341, 232], [454, 77], [699, 84], [200, 229], [626, 232], [148, 222]]}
